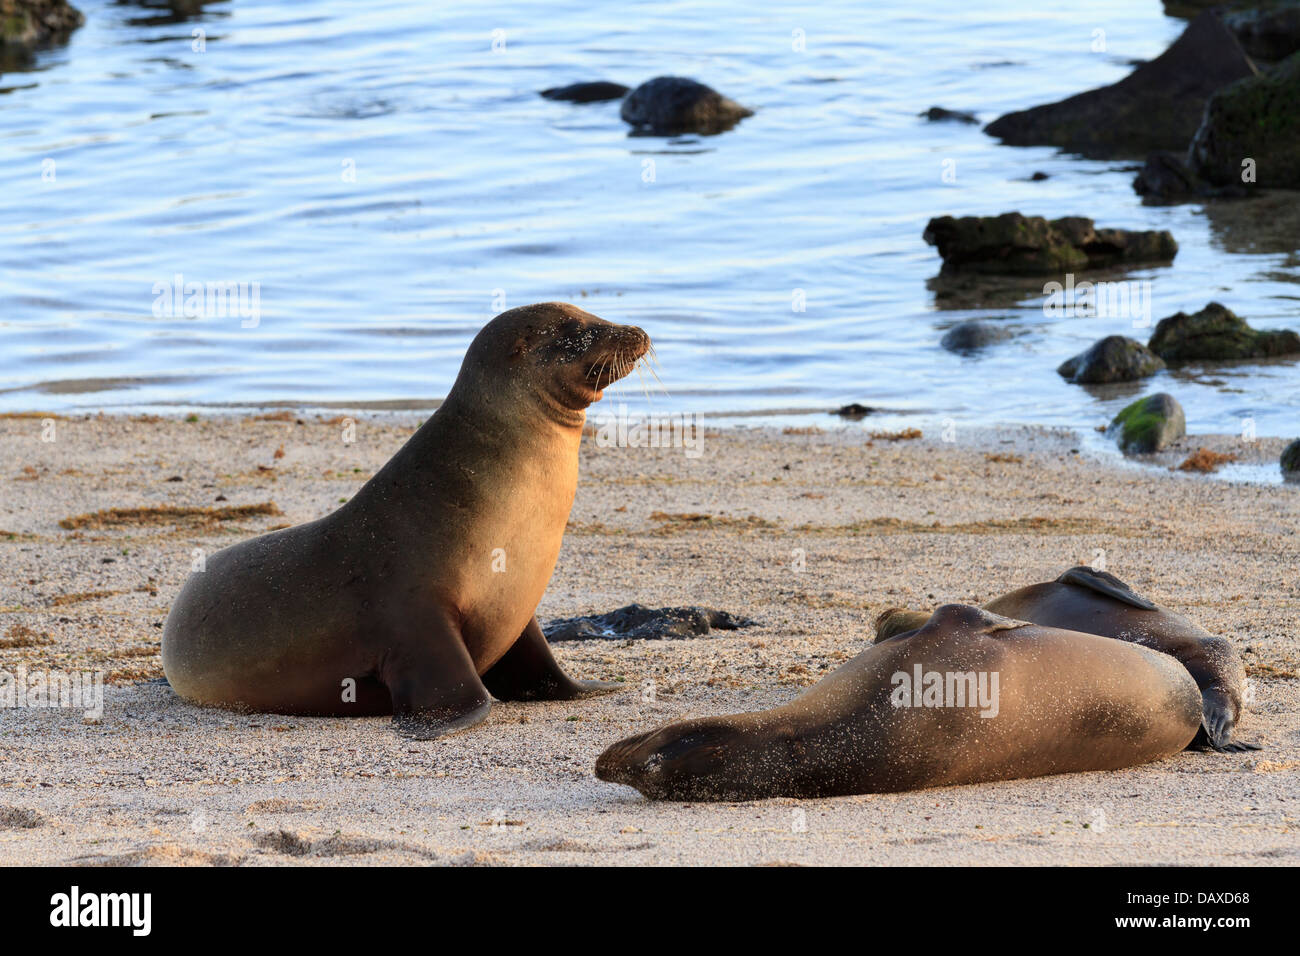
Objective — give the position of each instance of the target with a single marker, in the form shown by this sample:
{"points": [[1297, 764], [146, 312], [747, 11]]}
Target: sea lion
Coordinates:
{"points": [[671, 105], [417, 597], [1096, 602], [1011, 699]]}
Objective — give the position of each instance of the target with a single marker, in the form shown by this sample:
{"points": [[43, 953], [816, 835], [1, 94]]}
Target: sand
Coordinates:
{"points": [[879, 524]]}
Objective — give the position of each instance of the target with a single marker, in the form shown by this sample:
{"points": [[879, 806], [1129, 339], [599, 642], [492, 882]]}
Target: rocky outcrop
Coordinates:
{"points": [[1113, 359], [1252, 123], [1216, 334], [1149, 425], [1158, 106], [30, 24], [595, 92], [1012, 244], [670, 105], [635, 622]]}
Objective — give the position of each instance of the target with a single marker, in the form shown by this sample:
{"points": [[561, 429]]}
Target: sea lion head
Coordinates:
{"points": [[712, 758], [552, 354]]}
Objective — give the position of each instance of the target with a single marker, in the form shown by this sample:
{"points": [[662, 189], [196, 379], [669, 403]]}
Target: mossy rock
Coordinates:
{"points": [[1112, 359], [1012, 244], [1149, 425], [1217, 334], [28, 24], [1257, 118]]}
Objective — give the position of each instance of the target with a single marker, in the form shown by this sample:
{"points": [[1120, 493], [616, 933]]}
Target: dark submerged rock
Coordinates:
{"points": [[1217, 334], [972, 336], [1267, 30], [1257, 118], [1012, 244], [1291, 461], [1158, 106], [639, 623], [1166, 178], [1149, 425], [1112, 359], [937, 114], [669, 105], [854, 412], [595, 92]]}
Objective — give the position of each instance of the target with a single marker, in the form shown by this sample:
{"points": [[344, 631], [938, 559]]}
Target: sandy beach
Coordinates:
{"points": [[100, 526]]}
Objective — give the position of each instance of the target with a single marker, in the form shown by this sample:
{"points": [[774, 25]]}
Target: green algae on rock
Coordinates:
{"points": [[1149, 425], [1217, 334], [1252, 128]]}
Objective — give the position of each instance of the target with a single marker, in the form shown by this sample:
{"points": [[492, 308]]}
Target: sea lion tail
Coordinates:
{"points": [[1107, 584]]}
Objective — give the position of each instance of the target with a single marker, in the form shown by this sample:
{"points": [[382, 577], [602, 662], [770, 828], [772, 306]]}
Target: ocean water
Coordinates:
{"points": [[386, 178]]}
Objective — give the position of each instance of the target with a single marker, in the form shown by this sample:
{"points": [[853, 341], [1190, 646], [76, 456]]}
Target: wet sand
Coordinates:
{"points": [[880, 523]]}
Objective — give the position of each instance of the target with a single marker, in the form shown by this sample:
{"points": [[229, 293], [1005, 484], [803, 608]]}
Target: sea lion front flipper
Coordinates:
{"points": [[1104, 583], [529, 671], [434, 685]]}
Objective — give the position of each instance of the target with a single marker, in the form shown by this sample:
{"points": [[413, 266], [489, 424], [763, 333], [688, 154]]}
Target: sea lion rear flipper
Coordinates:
{"points": [[1103, 583], [529, 671], [434, 685], [896, 620], [1217, 726]]}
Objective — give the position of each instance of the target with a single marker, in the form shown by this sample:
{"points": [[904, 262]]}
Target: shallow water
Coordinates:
{"points": [[472, 193]]}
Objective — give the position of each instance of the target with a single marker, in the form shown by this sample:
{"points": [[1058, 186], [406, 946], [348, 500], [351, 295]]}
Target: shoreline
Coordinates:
{"points": [[910, 523]]}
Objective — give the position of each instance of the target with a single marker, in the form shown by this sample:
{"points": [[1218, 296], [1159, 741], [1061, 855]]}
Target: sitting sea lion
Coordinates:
{"points": [[969, 697], [417, 596], [1095, 602]]}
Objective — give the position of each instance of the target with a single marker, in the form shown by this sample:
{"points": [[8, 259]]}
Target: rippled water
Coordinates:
{"points": [[231, 165]]}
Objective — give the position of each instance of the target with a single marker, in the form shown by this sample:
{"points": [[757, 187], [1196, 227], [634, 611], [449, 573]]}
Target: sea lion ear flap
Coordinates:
{"points": [[1107, 584]]}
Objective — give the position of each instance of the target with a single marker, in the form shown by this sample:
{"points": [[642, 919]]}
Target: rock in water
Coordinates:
{"points": [[1257, 120], [1012, 244], [596, 92], [1158, 106], [29, 24], [1113, 359], [1217, 334], [1269, 31], [937, 114], [639, 623], [1291, 461], [1149, 425], [669, 105], [970, 336]]}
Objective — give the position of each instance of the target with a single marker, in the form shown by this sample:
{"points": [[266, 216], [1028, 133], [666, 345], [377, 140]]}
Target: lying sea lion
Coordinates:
{"points": [[417, 597], [1095, 602], [968, 697]]}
